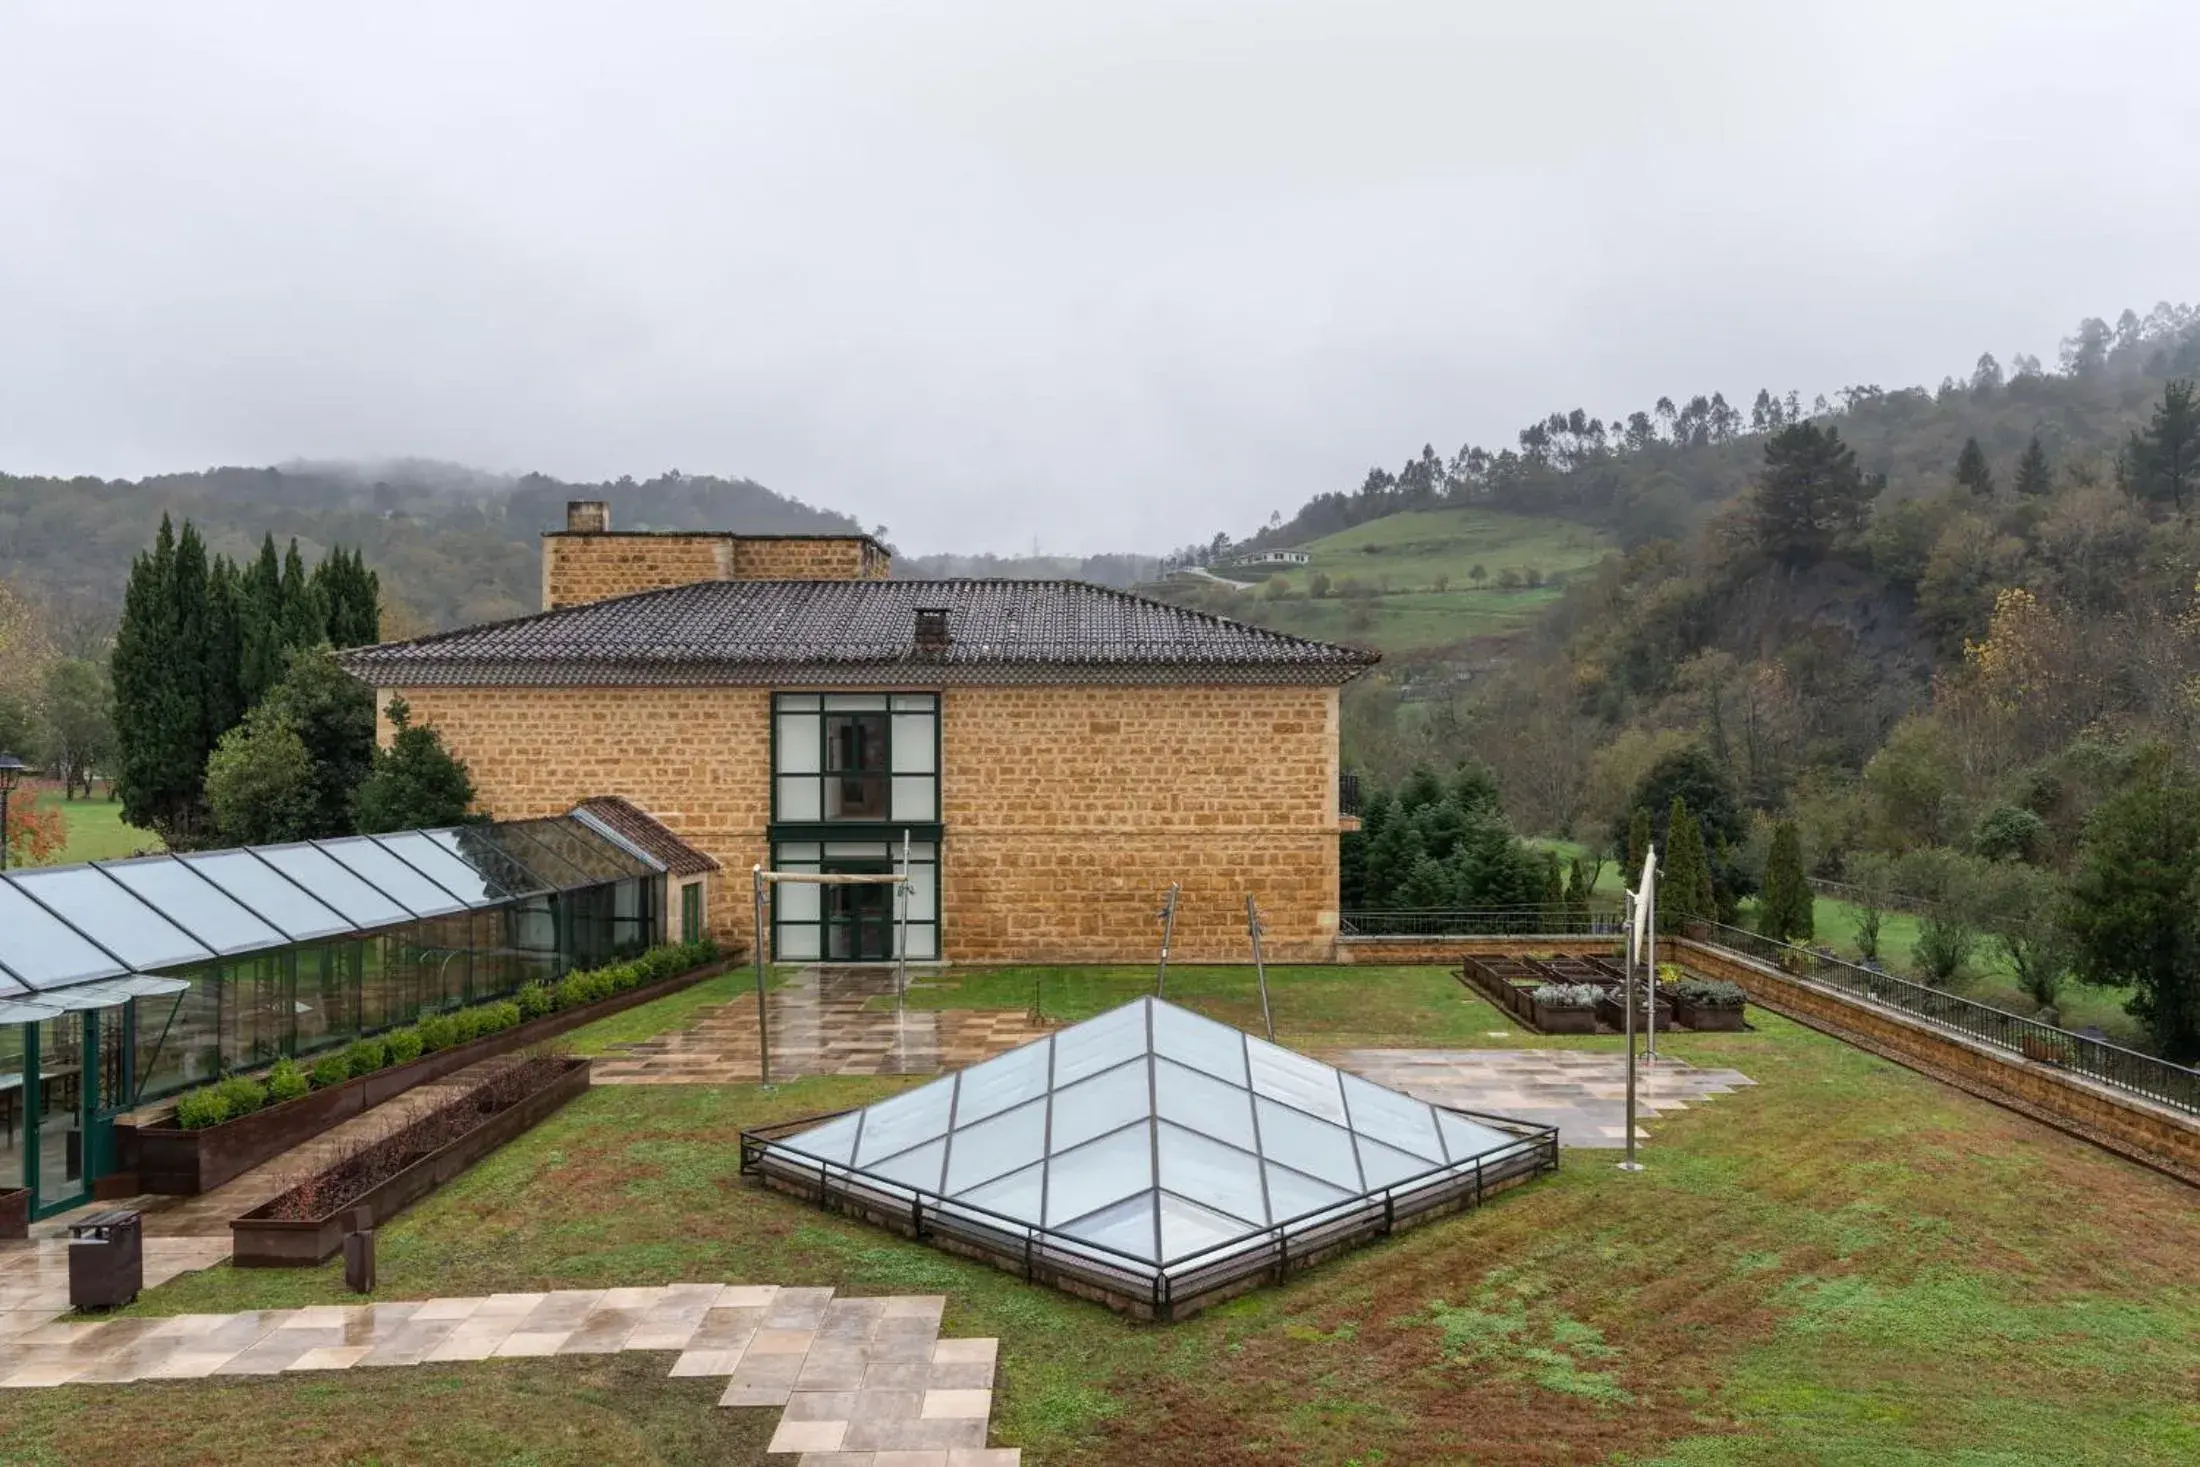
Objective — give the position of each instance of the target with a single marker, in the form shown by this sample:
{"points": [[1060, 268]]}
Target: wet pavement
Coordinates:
{"points": [[1582, 1092]]}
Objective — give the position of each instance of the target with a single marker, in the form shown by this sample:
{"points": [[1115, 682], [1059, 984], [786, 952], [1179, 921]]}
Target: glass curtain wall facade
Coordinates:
{"points": [[122, 982], [855, 782]]}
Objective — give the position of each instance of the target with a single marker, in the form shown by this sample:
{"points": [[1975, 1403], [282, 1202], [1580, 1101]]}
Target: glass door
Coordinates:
{"points": [[58, 1082], [15, 1131], [859, 920]]}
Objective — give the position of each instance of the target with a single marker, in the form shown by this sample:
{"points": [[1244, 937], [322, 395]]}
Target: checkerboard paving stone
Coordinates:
{"points": [[1582, 1092], [860, 1382]]}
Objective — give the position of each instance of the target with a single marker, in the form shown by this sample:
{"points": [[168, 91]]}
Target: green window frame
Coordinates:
{"points": [[855, 758], [691, 912], [805, 928]]}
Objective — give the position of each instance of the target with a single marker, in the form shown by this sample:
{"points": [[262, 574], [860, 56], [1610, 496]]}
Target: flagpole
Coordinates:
{"points": [[1650, 943]]}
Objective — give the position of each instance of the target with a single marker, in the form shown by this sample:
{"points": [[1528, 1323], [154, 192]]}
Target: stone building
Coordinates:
{"points": [[1051, 755]]}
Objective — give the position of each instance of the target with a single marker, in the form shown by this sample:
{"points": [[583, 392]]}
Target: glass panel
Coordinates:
{"points": [[1107, 1100], [833, 1141], [1296, 1080], [1003, 1143], [1188, 1228], [913, 744], [442, 868], [256, 1009], [1211, 1173], [916, 702], [41, 949], [1385, 1166], [1398, 1119], [916, 797], [1293, 1194], [1005, 1080], [1464, 1138], [544, 867], [924, 943], [472, 845], [60, 1043], [855, 702], [325, 992], [14, 1124], [1315, 1147], [920, 851], [801, 747], [125, 926], [1098, 1173], [335, 885], [796, 701], [1094, 1045], [268, 894], [799, 944], [573, 840], [855, 797], [1199, 1042], [801, 797], [1016, 1195], [799, 901], [856, 850], [1126, 1227], [1203, 1103], [380, 869], [194, 903], [900, 1123], [918, 1168], [798, 851]]}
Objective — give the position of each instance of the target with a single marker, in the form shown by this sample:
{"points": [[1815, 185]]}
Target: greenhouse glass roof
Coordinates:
{"points": [[1151, 1143], [77, 936]]}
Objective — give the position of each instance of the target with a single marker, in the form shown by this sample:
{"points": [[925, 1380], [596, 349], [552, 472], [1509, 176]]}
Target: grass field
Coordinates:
{"points": [[1846, 1264], [95, 828]]}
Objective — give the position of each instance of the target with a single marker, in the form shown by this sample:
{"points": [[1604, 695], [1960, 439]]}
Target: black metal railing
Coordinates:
{"points": [[1348, 794], [2111, 1064], [1562, 920]]}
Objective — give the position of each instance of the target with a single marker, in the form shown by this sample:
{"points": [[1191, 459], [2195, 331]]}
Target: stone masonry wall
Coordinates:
{"points": [[1067, 809], [764, 558], [579, 568]]}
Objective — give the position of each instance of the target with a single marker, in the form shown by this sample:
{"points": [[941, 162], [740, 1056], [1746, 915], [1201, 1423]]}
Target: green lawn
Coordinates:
{"points": [[1845, 1264], [95, 829]]}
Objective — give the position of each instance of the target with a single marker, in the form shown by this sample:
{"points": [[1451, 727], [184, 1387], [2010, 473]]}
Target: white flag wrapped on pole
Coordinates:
{"points": [[1646, 938]]}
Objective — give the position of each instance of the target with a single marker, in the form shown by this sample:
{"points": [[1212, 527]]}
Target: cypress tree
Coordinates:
{"points": [[1554, 885], [1785, 912], [302, 620], [1972, 470], [143, 666], [259, 621], [222, 655], [1638, 845], [2035, 476], [1685, 890]]}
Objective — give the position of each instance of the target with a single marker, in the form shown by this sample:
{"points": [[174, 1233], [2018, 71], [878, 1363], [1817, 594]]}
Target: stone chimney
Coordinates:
{"points": [[932, 635], [587, 517], [589, 561]]}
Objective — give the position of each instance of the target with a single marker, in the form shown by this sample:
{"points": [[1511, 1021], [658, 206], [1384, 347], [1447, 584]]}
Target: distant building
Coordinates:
{"points": [[1273, 557]]}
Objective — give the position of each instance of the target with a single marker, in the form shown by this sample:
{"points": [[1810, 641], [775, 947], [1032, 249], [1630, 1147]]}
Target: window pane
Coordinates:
{"points": [[381, 869], [1296, 1081], [1388, 1116], [1201, 1043], [855, 797], [996, 1146], [801, 798], [473, 845], [1465, 1138], [914, 749], [1312, 1146], [334, 885], [798, 944], [1005, 1080], [855, 850], [919, 1168], [791, 855], [790, 702], [41, 949], [1384, 1166], [898, 1124], [1211, 1173], [855, 702], [194, 904], [251, 882], [916, 797], [1126, 1227], [1015, 1196], [125, 926], [1203, 1103], [1099, 1043], [1102, 1103], [1095, 1175], [1293, 1194], [800, 751], [916, 702], [799, 901], [924, 943], [1187, 1228], [924, 892], [833, 1141], [436, 863]]}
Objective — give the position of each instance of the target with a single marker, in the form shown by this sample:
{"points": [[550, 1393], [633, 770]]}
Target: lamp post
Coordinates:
{"points": [[11, 770]]}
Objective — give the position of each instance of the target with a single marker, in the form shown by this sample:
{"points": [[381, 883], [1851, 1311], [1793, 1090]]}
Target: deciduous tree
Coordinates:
{"points": [[415, 782], [2134, 908]]}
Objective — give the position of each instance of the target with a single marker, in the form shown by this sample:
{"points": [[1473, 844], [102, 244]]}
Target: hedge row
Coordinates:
{"points": [[241, 1096]]}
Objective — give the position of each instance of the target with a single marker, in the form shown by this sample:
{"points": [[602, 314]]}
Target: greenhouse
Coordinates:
{"points": [[1150, 1158], [125, 981]]}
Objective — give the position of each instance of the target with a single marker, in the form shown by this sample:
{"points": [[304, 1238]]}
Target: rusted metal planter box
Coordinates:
{"points": [[1565, 1021], [260, 1241], [175, 1162], [1613, 1012], [1709, 1020], [15, 1213]]}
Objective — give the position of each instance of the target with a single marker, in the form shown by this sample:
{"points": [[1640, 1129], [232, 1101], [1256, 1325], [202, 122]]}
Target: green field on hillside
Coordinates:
{"points": [[1421, 564], [95, 829]]}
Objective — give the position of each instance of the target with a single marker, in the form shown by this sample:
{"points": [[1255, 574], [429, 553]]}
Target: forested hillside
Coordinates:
{"points": [[451, 545]]}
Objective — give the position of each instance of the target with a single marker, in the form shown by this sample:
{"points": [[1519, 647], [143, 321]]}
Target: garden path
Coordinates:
{"points": [[860, 1382], [1582, 1092], [822, 1023]]}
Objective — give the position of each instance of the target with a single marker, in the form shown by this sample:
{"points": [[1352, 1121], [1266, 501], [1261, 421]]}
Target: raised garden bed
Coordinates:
{"points": [[1707, 1018], [15, 1213], [1565, 1021], [173, 1161], [1613, 1012], [307, 1224]]}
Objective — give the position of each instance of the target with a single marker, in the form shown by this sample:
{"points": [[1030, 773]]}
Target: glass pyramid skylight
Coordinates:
{"points": [[1149, 1142]]}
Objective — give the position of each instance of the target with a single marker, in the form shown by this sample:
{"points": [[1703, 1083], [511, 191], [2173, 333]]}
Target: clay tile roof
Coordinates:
{"points": [[852, 632], [627, 822]]}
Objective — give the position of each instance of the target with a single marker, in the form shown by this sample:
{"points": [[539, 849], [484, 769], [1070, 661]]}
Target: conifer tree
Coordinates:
{"points": [[1784, 913], [1972, 470], [259, 622], [1638, 845], [1554, 885], [1684, 886], [2162, 462], [303, 620], [2035, 475]]}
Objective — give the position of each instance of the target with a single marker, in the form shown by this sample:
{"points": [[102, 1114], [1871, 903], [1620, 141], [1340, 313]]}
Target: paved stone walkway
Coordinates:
{"points": [[822, 1023], [860, 1382], [1582, 1092]]}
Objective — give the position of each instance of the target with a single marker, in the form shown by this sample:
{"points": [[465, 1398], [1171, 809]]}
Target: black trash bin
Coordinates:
{"points": [[106, 1260]]}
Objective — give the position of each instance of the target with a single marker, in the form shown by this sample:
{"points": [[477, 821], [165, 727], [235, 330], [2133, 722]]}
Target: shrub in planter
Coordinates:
{"points": [[535, 1001], [330, 1070], [437, 1033], [241, 1095], [404, 1046], [286, 1082], [1567, 995], [366, 1056], [202, 1108], [505, 1015], [1709, 993]]}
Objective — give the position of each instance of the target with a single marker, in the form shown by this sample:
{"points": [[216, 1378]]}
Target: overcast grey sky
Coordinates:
{"points": [[1109, 275]]}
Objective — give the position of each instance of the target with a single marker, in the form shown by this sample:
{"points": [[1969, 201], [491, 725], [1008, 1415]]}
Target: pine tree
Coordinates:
{"points": [[1684, 888], [2035, 475], [1972, 470], [1784, 913], [416, 781], [2163, 460], [351, 596], [259, 622], [1809, 494], [302, 620]]}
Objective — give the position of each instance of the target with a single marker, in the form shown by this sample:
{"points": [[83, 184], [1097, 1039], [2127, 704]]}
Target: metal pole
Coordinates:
{"points": [[1168, 933], [1634, 910], [1650, 945], [6, 782], [901, 892], [763, 1016], [1260, 968]]}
